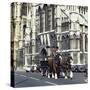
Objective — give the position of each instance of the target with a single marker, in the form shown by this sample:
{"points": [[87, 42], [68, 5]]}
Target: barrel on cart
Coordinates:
{"points": [[44, 67]]}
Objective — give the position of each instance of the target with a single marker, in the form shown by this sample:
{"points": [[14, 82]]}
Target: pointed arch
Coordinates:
{"points": [[39, 9]]}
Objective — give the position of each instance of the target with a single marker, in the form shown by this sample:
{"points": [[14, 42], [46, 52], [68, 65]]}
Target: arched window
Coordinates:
{"points": [[43, 52], [68, 41], [86, 43], [39, 9], [63, 37], [24, 9], [42, 19], [81, 42], [67, 36], [12, 9], [63, 42], [74, 35], [45, 7]]}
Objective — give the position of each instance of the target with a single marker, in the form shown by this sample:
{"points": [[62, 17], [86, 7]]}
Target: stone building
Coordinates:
{"points": [[71, 29], [38, 26], [22, 33]]}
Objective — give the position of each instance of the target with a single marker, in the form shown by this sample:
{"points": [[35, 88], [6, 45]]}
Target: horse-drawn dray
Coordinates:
{"points": [[56, 64]]}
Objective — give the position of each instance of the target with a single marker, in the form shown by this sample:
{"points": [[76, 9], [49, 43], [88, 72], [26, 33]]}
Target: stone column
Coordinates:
{"points": [[33, 33], [78, 57], [26, 62], [58, 18], [41, 37], [58, 21], [17, 30], [48, 40], [43, 14], [83, 44], [28, 27], [45, 38], [21, 35]]}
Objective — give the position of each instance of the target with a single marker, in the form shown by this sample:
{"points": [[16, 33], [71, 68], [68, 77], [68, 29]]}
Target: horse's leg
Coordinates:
{"points": [[56, 76], [54, 71], [44, 71], [41, 72], [52, 74], [62, 71], [63, 74], [71, 74], [66, 77], [58, 71], [48, 74]]}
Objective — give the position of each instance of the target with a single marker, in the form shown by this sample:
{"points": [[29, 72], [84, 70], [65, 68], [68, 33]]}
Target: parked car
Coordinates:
{"points": [[31, 68], [78, 68]]}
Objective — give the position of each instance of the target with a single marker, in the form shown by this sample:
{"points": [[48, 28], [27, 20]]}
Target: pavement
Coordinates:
{"points": [[29, 79]]}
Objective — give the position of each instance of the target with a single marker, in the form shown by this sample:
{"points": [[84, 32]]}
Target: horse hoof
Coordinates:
{"points": [[56, 78], [52, 76], [66, 77], [48, 76], [63, 74]]}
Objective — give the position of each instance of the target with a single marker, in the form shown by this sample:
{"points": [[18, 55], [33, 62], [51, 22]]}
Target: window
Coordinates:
{"points": [[75, 58], [74, 26], [86, 43], [49, 19], [74, 43], [42, 21], [68, 42], [81, 58], [81, 43], [65, 26], [24, 9], [86, 29], [79, 9], [12, 9], [81, 28], [53, 19], [65, 42]]}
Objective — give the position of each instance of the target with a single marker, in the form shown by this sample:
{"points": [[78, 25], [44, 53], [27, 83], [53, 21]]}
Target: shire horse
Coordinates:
{"points": [[57, 66], [65, 66], [53, 67]]}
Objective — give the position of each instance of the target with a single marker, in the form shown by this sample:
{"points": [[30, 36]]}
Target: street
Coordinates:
{"points": [[29, 79]]}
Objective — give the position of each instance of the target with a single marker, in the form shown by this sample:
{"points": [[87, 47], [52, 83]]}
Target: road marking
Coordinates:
{"points": [[50, 83], [28, 77], [33, 78], [21, 75], [37, 79]]}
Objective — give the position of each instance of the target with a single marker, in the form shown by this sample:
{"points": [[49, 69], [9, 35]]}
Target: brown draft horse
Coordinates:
{"points": [[65, 67], [50, 66], [53, 68]]}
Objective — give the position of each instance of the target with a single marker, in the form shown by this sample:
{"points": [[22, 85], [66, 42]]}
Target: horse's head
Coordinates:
{"points": [[70, 60]]}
